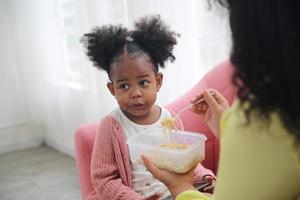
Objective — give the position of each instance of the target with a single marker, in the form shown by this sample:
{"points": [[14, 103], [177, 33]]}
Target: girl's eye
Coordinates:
{"points": [[124, 86], [144, 82]]}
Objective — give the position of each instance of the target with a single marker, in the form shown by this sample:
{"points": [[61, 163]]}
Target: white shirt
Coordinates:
{"points": [[142, 181]]}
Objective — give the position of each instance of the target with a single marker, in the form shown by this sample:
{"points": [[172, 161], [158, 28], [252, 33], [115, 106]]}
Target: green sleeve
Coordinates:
{"points": [[192, 195], [258, 159]]}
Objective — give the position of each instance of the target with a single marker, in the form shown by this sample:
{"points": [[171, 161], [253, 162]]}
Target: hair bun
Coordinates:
{"points": [[154, 36], [101, 43]]}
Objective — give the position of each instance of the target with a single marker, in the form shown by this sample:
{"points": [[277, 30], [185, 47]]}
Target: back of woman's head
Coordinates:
{"points": [[266, 56], [106, 44]]}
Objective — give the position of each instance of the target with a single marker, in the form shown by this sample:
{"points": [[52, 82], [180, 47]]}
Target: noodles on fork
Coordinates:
{"points": [[168, 124]]}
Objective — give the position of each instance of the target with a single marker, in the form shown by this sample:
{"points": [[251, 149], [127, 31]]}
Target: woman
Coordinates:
{"points": [[260, 133]]}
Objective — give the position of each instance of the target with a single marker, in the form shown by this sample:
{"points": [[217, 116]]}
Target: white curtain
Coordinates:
{"points": [[61, 87]]}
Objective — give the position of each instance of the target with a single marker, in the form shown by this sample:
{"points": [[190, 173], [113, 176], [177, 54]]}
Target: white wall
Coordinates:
{"points": [[39, 104], [17, 130], [50, 106]]}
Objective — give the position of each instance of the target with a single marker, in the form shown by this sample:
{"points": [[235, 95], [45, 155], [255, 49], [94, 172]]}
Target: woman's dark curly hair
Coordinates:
{"points": [[266, 56], [150, 35]]}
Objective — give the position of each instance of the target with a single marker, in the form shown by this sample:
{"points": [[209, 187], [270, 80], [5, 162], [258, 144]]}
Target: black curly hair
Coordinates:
{"points": [[266, 56], [151, 36]]}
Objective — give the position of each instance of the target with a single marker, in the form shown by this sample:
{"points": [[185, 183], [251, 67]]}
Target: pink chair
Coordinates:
{"points": [[218, 78]]}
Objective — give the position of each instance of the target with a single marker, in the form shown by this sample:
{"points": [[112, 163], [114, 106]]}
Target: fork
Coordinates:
{"points": [[189, 106]]}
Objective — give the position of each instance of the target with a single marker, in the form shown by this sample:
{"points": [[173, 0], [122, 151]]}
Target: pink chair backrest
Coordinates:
{"points": [[218, 78]]}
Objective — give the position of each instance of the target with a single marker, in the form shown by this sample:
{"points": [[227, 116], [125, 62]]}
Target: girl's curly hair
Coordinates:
{"points": [[150, 35], [102, 42]]}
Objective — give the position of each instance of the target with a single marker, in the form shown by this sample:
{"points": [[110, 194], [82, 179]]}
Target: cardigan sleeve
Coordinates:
{"points": [[105, 175]]}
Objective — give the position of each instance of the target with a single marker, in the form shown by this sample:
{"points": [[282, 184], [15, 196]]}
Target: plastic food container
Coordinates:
{"points": [[173, 159]]}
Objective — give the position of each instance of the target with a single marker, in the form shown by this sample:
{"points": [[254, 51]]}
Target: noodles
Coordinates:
{"points": [[175, 146], [168, 124]]}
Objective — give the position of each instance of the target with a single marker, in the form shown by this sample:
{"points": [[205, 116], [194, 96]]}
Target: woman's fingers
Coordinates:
{"points": [[200, 108], [210, 93], [216, 101], [171, 179], [211, 109], [217, 96], [210, 100], [166, 176], [150, 166]]}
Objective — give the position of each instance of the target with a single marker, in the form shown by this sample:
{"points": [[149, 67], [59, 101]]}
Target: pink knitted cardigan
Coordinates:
{"points": [[110, 164]]}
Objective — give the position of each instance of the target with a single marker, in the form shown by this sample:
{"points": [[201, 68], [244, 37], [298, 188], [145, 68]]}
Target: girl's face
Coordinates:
{"points": [[135, 86]]}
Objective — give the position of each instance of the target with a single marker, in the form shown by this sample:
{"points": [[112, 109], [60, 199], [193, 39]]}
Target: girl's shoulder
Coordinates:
{"points": [[109, 125], [108, 119], [111, 118]]}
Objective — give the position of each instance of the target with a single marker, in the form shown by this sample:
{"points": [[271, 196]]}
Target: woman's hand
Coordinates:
{"points": [[211, 109], [176, 183]]}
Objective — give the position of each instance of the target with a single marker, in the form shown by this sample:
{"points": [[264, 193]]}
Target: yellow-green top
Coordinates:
{"points": [[258, 160]]}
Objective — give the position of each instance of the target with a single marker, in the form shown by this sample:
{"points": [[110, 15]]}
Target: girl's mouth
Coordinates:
{"points": [[138, 106]]}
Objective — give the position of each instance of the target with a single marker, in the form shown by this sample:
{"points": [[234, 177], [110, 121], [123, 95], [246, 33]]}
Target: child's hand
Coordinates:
{"points": [[208, 184]]}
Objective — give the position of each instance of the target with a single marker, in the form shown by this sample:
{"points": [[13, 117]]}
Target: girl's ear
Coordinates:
{"points": [[111, 88], [159, 79]]}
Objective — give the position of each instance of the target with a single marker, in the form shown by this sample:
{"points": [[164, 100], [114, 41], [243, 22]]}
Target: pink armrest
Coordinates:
{"points": [[84, 142], [218, 78]]}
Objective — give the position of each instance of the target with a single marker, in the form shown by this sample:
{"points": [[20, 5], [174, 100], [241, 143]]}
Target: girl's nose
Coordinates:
{"points": [[136, 93]]}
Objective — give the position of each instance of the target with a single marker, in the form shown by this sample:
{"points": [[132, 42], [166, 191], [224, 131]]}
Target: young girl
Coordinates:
{"points": [[131, 60]]}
